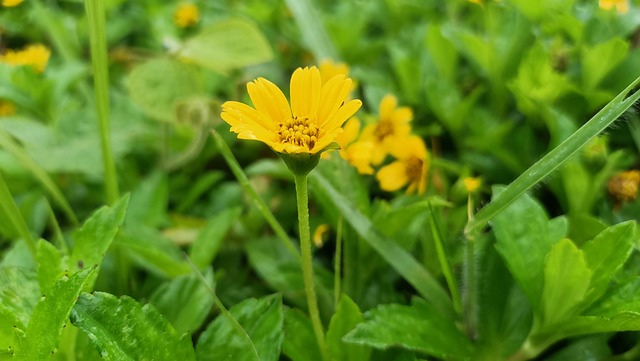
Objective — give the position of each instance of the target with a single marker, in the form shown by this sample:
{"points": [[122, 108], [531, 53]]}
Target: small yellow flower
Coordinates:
{"points": [[307, 126], [624, 186], [393, 124], [186, 14], [411, 167], [319, 234], [36, 55], [10, 3], [6, 108], [622, 6], [472, 184], [357, 153]]}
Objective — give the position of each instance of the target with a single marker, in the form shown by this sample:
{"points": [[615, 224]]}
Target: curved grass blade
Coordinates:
{"points": [[556, 157]]}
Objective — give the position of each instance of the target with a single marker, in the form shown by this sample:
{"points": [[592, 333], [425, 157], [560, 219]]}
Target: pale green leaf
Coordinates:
{"points": [[346, 317], [50, 266], [299, 342], [206, 246]]}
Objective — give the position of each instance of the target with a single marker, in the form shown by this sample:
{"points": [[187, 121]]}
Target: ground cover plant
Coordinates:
{"points": [[319, 180]]}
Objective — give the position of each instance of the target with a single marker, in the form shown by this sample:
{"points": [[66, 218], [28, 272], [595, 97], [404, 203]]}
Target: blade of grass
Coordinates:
{"points": [[9, 144], [258, 202], [313, 32], [555, 157], [97, 37], [401, 260], [12, 212], [444, 262]]}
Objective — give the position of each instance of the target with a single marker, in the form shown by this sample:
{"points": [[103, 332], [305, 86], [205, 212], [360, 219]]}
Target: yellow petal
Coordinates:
{"points": [[350, 132], [269, 100], [387, 105], [392, 177], [345, 112], [246, 121], [406, 147], [306, 87], [334, 93]]}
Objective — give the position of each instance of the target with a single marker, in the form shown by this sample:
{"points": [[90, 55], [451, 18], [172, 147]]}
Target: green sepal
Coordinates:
{"points": [[302, 164]]}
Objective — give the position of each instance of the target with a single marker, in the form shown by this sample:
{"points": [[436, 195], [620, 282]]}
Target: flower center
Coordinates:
{"points": [[299, 131], [413, 168], [383, 130]]}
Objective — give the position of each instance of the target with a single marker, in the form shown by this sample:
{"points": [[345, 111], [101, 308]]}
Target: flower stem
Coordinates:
{"points": [[302, 198], [337, 265]]}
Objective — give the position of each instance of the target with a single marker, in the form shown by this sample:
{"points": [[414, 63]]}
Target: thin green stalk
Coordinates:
{"points": [[444, 262], [99, 62], [225, 312], [302, 198], [556, 157], [12, 212], [337, 265], [59, 240], [470, 290], [257, 201], [11, 146], [312, 29]]}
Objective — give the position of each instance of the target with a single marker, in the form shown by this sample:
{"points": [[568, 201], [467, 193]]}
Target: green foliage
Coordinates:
{"points": [[122, 329]]}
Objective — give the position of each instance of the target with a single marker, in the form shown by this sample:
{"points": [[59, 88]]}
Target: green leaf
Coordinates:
{"points": [[345, 319], [262, 319], [92, 241], [51, 314], [418, 327], [148, 205], [300, 342], [149, 249], [19, 293], [593, 348], [227, 45], [402, 261], [206, 246], [523, 238], [123, 330], [184, 301], [50, 266], [159, 84], [599, 60], [312, 28], [606, 253], [566, 282], [11, 330]]}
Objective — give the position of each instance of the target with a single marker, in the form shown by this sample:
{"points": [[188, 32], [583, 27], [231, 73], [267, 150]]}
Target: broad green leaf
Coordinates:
{"points": [[184, 301], [51, 314], [566, 282], [584, 227], [345, 319], [312, 28], [606, 253], [206, 246], [50, 266], [122, 330], [523, 240], [92, 241], [262, 319], [299, 342], [159, 84], [621, 298], [10, 326], [150, 250], [148, 204], [599, 60], [227, 45], [430, 331], [402, 261], [442, 52], [592, 348], [19, 293]]}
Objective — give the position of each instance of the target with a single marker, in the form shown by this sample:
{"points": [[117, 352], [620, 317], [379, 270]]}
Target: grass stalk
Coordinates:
{"points": [[12, 212]]}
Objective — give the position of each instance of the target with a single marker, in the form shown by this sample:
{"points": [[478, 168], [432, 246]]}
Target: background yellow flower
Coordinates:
{"points": [[186, 14], [36, 55], [410, 168], [621, 6], [10, 3], [393, 123]]}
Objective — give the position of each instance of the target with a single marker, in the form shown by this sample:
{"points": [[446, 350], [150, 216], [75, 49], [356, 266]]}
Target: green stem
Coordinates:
{"points": [[337, 265], [12, 212], [57, 231], [302, 198], [555, 157], [469, 299], [257, 201], [97, 36]]}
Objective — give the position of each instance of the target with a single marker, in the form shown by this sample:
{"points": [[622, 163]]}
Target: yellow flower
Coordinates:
{"points": [[319, 234], [357, 153], [411, 167], [472, 184], [329, 69], [186, 14], [622, 6], [624, 186], [36, 55], [308, 126], [6, 108], [392, 125], [10, 3]]}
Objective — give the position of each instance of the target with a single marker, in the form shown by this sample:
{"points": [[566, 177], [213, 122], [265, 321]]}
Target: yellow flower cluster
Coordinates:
{"points": [[621, 6], [186, 14], [624, 186], [11, 3], [391, 135], [6, 108], [36, 56]]}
